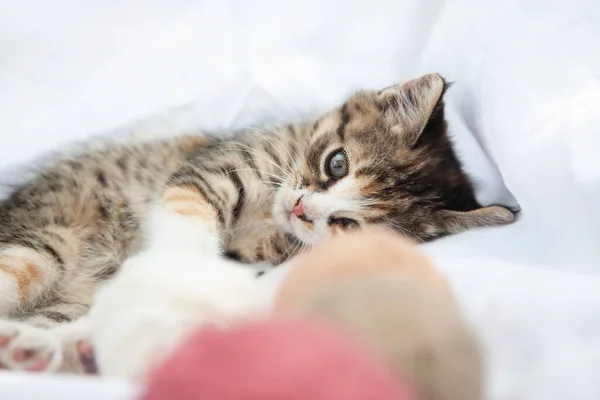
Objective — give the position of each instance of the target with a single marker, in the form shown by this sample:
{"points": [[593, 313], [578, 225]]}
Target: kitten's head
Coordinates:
{"points": [[383, 158]]}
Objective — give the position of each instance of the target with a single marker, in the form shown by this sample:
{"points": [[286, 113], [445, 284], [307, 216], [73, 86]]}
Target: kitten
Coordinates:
{"points": [[382, 158]]}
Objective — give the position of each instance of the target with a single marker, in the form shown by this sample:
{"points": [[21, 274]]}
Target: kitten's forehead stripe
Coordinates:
{"points": [[344, 119], [315, 154]]}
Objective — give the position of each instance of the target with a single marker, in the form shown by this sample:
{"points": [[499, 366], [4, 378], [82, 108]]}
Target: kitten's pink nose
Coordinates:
{"points": [[299, 209]]}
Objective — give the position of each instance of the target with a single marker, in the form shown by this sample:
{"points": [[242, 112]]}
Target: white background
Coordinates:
{"points": [[524, 112]]}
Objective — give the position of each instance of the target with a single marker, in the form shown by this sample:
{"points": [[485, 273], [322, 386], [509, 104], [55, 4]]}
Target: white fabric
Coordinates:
{"points": [[17, 386], [525, 111]]}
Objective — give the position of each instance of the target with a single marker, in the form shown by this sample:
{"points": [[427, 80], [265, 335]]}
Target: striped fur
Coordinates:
{"points": [[72, 226]]}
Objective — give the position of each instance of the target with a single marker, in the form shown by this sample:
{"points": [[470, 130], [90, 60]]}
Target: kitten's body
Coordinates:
{"points": [[382, 158]]}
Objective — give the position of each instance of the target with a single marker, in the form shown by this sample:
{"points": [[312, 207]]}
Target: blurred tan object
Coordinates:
{"points": [[359, 253], [385, 291]]}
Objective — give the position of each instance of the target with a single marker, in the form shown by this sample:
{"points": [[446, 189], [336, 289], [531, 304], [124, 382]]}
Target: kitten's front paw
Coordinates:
{"points": [[24, 347], [158, 298]]}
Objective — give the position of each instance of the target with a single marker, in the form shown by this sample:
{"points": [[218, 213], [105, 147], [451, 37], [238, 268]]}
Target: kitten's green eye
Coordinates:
{"points": [[337, 165]]}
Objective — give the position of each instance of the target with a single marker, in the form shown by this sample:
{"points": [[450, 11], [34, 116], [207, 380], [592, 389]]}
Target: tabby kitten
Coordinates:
{"points": [[382, 158]]}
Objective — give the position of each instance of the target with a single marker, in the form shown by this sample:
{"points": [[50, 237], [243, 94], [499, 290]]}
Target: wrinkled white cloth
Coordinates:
{"points": [[524, 112]]}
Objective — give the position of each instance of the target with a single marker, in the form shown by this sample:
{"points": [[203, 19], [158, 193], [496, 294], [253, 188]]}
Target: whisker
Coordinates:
{"points": [[262, 156], [259, 171], [405, 230], [264, 134], [249, 169], [293, 250]]}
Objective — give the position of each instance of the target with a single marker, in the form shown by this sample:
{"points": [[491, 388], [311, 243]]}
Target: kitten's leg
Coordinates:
{"points": [[153, 303], [197, 209], [32, 261], [178, 283], [170, 230], [37, 264]]}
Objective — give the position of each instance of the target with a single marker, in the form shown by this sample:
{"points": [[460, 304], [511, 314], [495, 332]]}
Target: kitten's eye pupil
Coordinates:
{"points": [[337, 167]]}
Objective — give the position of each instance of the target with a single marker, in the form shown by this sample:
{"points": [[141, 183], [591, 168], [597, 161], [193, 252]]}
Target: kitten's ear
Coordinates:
{"points": [[412, 104], [452, 222]]}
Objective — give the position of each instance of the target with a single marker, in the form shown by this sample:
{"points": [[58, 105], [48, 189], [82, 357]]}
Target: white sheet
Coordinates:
{"points": [[15, 386], [527, 88]]}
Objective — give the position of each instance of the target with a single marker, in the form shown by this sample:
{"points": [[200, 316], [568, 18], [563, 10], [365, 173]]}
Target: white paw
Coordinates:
{"points": [[152, 304], [168, 231], [28, 348]]}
